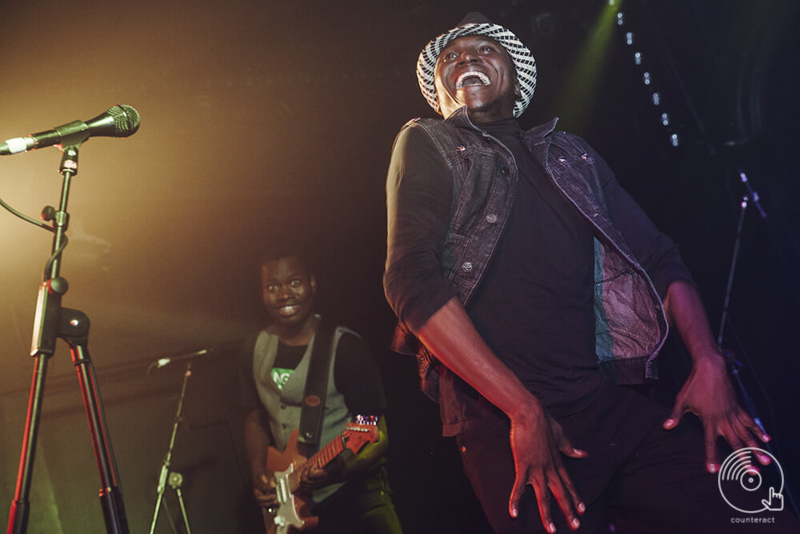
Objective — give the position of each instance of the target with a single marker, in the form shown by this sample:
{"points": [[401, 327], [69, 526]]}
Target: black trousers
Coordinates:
{"points": [[360, 506], [637, 478]]}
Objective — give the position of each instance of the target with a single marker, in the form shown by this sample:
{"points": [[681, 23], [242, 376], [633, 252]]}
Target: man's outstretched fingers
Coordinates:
{"points": [[543, 500], [567, 449], [710, 443], [516, 495], [567, 498], [675, 416]]}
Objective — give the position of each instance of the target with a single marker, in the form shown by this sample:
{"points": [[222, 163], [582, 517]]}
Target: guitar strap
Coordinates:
{"points": [[317, 384]]}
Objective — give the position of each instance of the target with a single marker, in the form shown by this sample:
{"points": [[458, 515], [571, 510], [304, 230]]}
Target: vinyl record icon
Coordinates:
{"points": [[748, 486]]}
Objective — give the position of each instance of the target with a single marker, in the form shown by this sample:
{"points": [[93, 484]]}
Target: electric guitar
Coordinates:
{"points": [[293, 513]]}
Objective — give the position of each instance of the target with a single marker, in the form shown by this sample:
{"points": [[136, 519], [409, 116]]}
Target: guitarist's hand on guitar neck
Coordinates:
{"points": [[313, 477]]}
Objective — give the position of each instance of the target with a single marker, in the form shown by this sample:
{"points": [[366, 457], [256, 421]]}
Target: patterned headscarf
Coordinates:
{"points": [[477, 24]]}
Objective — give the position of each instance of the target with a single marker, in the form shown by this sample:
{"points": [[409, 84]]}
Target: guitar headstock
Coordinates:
{"points": [[367, 419], [362, 431]]}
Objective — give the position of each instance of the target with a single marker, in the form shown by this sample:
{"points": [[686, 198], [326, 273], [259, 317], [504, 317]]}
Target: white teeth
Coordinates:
{"points": [[472, 74]]}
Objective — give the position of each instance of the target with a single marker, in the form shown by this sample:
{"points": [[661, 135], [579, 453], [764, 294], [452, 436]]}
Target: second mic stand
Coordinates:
{"points": [[733, 363], [175, 479]]}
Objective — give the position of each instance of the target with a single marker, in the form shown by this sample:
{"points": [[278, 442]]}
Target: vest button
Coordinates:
{"points": [[466, 266], [491, 218]]}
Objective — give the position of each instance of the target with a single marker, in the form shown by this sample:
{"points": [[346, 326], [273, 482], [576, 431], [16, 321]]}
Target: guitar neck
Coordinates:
{"points": [[328, 452]]}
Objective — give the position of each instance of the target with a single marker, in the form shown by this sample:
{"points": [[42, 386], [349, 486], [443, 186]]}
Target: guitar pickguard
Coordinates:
{"points": [[286, 515]]}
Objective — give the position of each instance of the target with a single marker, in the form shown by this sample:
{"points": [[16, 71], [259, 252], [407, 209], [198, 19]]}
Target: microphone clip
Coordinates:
{"points": [[69, 158]]}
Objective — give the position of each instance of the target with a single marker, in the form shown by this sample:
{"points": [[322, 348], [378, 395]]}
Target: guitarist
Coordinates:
{"points": [[350, 493]]}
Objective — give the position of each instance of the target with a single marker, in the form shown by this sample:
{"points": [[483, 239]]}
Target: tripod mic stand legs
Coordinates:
{"points": [[74, 328], [175, 482]]}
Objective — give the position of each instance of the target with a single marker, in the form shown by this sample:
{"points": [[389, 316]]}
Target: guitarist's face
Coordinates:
{"points": [[288, 293]]}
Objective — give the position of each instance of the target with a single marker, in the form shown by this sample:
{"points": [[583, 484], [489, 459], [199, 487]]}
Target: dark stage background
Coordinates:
{"points": [[265, 120]]}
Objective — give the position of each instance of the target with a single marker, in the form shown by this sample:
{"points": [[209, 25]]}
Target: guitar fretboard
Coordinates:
{"points": [[329, 451]]}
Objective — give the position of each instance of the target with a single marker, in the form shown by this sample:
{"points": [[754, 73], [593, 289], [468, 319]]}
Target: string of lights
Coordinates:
{"points": [[646, 76]]}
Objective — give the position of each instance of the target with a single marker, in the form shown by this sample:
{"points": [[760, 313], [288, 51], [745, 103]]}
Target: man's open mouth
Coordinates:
{"points": [[472, 78], [288, 310]]}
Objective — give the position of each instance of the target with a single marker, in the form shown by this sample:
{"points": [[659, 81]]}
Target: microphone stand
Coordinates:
{"points": [[53, 321], [733, 363], [175, 479]]}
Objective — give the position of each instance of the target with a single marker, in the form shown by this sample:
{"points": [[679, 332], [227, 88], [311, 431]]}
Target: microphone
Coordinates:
{"points": [[119, 121], [222, 348], [161, 362]]}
